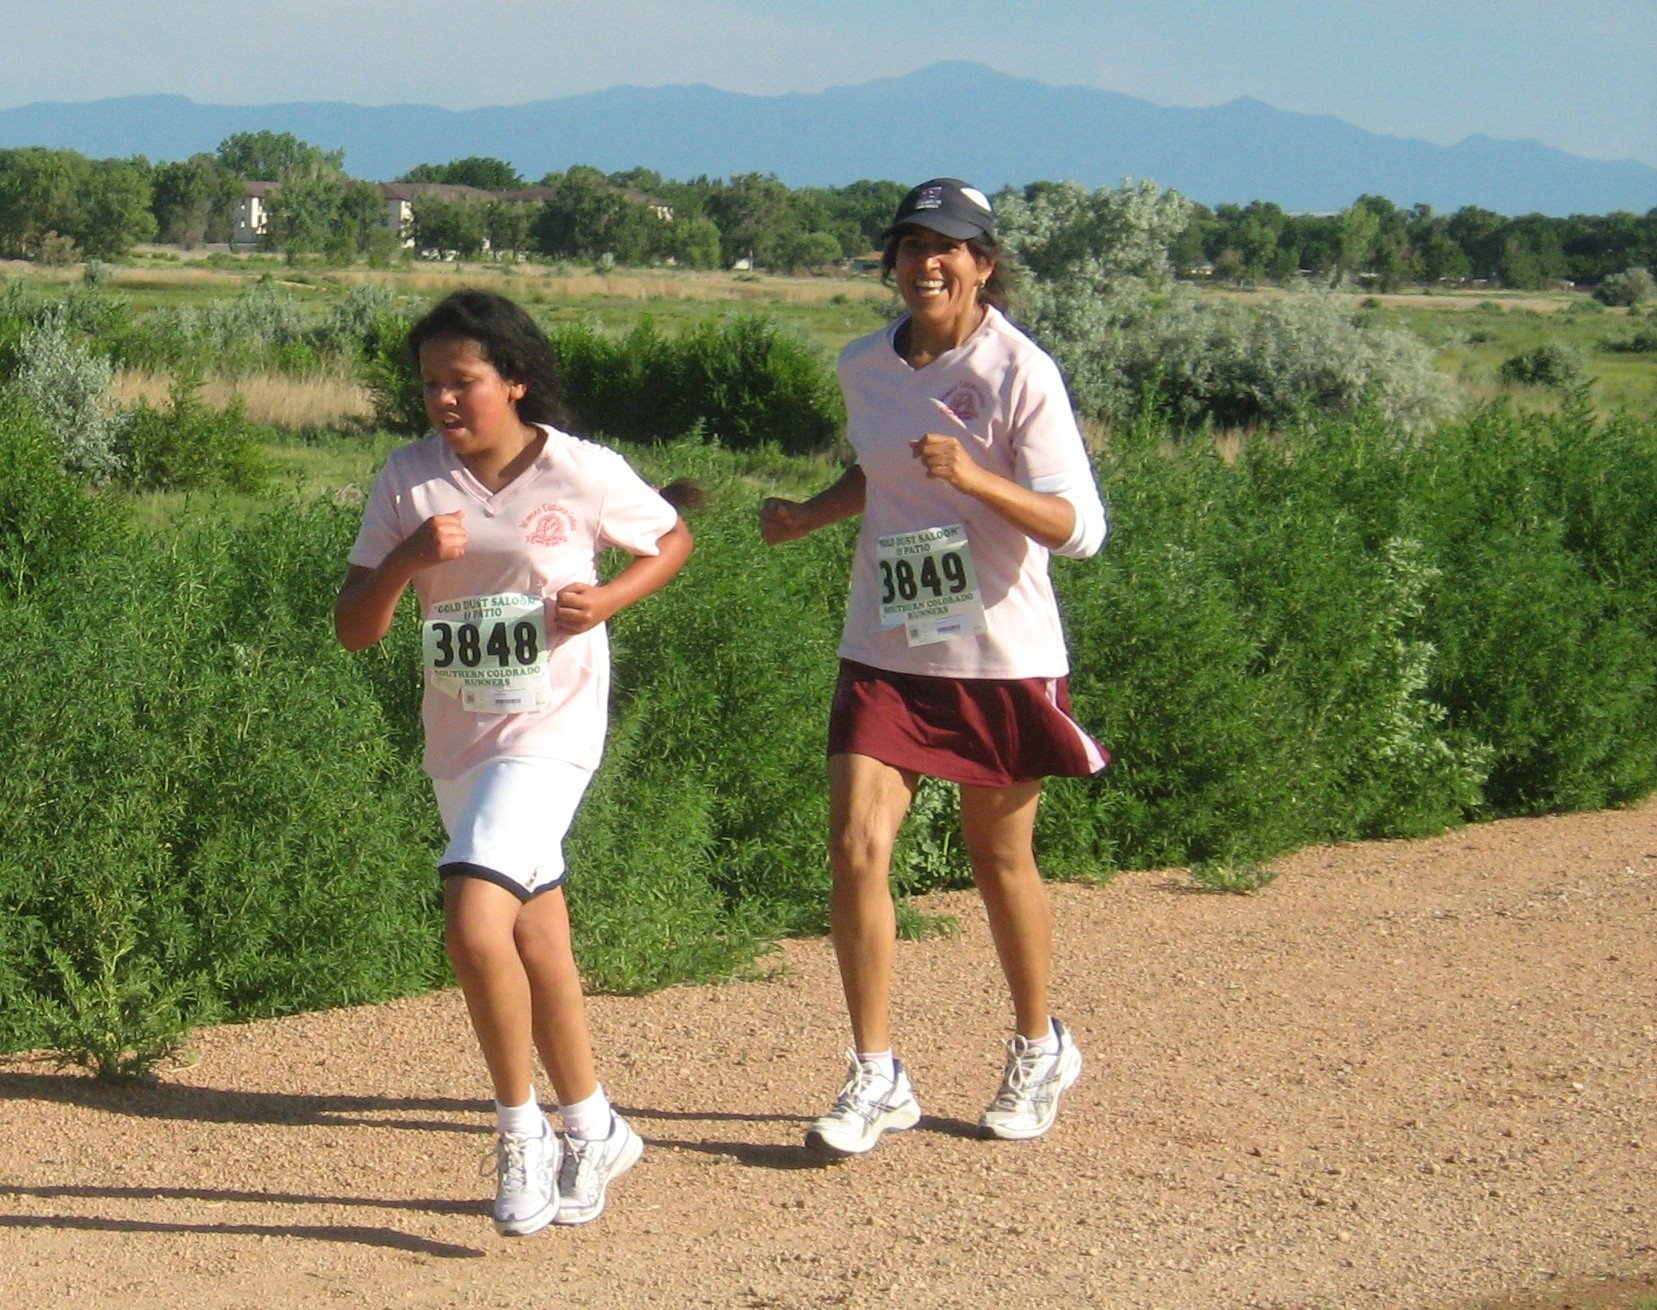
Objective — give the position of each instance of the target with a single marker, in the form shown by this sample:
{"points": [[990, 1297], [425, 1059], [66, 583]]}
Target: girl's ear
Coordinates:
{"points": [[517, 390]]}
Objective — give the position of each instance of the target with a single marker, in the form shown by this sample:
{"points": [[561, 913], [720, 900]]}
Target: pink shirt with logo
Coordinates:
{"points": [[1003, 398], [535, 536]]}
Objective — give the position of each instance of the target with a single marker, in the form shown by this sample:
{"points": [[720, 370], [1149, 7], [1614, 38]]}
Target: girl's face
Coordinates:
{"points": [[467, 399], [938, 278]]}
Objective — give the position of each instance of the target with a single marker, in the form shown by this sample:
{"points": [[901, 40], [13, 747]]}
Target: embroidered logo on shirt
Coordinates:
{"points": [[966, 401], [548, 526]]}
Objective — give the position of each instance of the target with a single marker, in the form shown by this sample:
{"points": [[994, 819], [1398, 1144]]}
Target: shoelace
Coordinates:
{"points": [[854, 1097], [1024, 1075], [510, 1157], [586, 1156]]}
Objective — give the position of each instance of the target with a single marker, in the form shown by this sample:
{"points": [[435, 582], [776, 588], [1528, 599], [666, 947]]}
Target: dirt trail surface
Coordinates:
{"points": [[1407, 1074]]}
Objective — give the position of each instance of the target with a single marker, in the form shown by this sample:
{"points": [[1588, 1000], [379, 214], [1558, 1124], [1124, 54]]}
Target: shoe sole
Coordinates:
{"points": [[894, 1122], [534, 1224], [1067, 1080], [629, 1157]]}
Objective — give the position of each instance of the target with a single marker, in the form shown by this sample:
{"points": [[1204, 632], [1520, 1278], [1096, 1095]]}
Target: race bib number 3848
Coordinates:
{"points": [[489, 652], [927, 584]]}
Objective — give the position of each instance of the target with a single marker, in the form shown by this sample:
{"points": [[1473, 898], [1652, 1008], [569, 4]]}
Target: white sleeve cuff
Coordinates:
{"points": [[1092, 522]]}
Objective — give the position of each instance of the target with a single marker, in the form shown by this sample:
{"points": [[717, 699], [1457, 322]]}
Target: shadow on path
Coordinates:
{"points": [[351, 1233], [170, 1100]]}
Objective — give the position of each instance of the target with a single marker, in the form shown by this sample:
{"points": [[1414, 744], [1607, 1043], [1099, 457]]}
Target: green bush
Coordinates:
{"points": [[1201, 360], [743, 381], [244, 838], [1339, 634], [387, 371], [67, 384], [264, 327], [1633, 286], [721, 686], [191, 446], [1546, 621], [49, 521], [1642, 342], [1099, 298], [1548, 365]]}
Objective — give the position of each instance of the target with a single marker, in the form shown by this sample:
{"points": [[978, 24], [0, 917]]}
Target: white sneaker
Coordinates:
{"points": [[527, 1170], [589, 1169], [868, 1105], [1028, 1101]]}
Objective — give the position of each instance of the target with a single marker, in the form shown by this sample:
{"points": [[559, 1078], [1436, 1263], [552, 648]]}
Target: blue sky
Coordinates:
{"points": [[1577, 75]]}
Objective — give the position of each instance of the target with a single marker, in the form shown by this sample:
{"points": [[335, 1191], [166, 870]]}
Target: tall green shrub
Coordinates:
{"points": [[743, 381], [67, 383], [1341, 633], [49, 521], [1547, 624], [206, 810]]}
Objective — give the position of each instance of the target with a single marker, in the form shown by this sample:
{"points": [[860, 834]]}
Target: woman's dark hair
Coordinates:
{"points": [[507, 337], [997, 287]]}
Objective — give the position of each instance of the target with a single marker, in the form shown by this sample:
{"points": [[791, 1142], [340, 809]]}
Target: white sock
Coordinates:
{"points": [[882, 1060], [588, 1120], [526, 1120], [1048, 1045]]}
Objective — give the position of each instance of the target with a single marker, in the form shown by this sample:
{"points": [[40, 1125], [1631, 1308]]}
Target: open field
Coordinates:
{"points": [[1472, 330]]}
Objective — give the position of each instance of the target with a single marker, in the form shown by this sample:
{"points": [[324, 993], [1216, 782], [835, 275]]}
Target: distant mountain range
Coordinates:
{"points": [[951, 118]]}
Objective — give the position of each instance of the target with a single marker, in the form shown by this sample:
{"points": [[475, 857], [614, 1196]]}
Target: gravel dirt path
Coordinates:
{"points": [[1407, 1074]]}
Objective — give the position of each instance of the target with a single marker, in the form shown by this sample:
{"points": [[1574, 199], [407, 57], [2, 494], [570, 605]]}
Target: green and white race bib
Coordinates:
{"points": [[489, 652], [928, 585]]}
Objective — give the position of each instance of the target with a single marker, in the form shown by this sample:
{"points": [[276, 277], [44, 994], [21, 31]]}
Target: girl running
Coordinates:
{"points": [[496, 517]]}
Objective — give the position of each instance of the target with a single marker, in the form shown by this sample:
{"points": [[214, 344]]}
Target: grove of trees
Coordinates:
{"points": [[58, 206]]}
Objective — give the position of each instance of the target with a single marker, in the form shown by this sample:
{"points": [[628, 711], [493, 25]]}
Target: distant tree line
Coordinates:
{"points": [[1393, 247], [57, 206]]}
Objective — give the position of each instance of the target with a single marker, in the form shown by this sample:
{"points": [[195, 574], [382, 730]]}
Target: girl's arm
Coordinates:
{"points": [[785, 520], [368, 597], [582, 606], [1046, 519]]}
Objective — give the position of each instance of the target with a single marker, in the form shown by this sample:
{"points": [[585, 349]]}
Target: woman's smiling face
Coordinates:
{"points": [[938, 278]]}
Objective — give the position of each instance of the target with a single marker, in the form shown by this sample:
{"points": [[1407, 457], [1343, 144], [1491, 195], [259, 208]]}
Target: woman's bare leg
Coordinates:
{"points": [[998, 825], [867, 802]]}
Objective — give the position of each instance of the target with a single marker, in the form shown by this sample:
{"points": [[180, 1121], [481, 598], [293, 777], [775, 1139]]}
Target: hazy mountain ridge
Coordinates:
{"points": [[990, 127]]}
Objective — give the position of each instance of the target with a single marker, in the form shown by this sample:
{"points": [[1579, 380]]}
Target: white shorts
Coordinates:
{"points": [[506, 821]]}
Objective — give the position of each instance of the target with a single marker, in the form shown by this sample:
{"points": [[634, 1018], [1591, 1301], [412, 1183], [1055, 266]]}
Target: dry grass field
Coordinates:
{"points": [[275, 399], [1472, 331]]}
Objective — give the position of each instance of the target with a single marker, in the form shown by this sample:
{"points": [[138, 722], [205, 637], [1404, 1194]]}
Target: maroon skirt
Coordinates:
{"points": [[983, 732]]}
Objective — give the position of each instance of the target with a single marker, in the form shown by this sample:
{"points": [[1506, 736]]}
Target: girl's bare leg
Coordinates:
{"points": [[478, 923], [867, 802], [558, 1012]]}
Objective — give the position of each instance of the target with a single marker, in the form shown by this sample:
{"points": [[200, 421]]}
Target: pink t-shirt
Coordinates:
{"points": [[1003, 398], [536, 535]]}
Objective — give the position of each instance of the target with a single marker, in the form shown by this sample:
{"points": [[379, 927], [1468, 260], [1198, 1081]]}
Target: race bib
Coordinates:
{"points": [[927, 584], [489, 652]]}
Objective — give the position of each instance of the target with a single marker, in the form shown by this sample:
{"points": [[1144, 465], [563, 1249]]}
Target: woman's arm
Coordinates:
{"points": [[785, 520], [368, 598], [1047, 520], [582, 606]]}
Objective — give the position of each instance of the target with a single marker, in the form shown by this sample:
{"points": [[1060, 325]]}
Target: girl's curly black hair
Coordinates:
{"points": [[507, 337], [512, 341]]}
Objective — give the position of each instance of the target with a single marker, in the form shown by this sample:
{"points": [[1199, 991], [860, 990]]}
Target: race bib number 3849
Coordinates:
{"points": [[928, 585], [489, 652]]}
